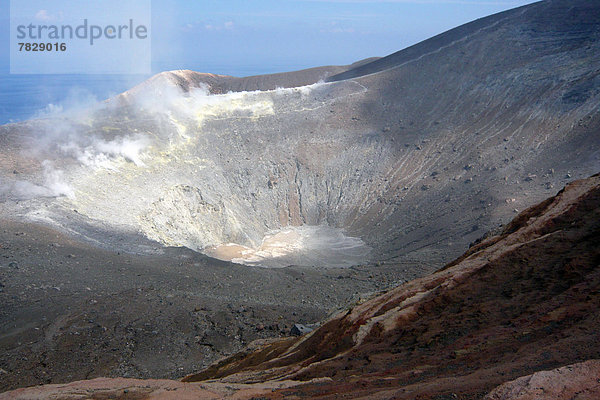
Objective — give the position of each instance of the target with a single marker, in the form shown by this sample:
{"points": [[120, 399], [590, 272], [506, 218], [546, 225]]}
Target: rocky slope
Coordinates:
{"points": [[578, 381], [521, 301], [187, 80], [417, 154], [72, 311]]}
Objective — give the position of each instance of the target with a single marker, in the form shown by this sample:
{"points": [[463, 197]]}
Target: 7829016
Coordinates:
{"points": [[42, 46]]}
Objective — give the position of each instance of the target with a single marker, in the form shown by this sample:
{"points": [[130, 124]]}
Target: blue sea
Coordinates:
{"points": [[27, 96]]}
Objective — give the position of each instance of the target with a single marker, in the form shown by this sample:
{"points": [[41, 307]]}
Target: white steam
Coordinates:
{"points": [[297, 245], [62, 140], [79, 101], [100, 153], [64, 130], [53, 185], [149, 160]]}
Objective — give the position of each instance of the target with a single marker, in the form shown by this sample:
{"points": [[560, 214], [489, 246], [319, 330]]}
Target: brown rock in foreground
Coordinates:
{"points": [[523, 301], [578, 381], [138, 389]]}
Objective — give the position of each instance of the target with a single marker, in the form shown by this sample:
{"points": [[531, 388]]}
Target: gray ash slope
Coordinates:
{"points": [[418, 153]]}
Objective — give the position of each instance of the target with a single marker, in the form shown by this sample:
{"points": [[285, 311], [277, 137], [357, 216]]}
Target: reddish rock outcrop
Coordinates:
{"points": [[578, 381], [140, 389]]}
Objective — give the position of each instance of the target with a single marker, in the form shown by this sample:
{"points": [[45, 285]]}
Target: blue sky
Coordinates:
{"points": [[250, 37]]}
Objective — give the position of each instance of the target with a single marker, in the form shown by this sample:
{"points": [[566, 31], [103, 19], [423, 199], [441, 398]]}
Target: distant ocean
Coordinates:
{"points": [[26, 96]]}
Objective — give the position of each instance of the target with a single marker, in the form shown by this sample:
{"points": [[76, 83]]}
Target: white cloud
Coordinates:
{"points": [[342, 30], [334, 27], [43, 15], [228, 26]]}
